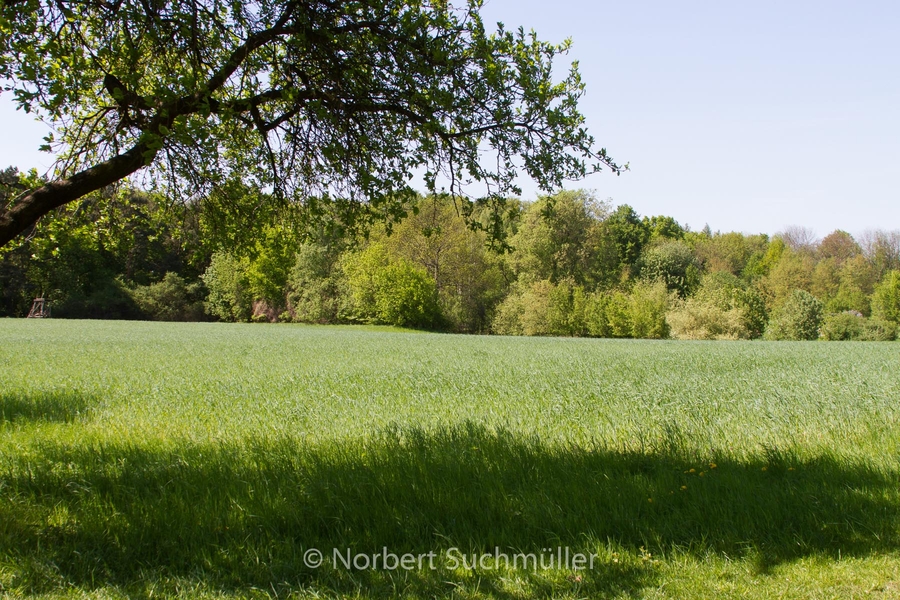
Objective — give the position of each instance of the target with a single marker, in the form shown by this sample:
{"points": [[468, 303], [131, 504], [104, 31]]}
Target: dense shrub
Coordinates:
{"points": [[387, 290], [648, 306], [842, 326], [104, 298], [854, 326], [527, 310], [229, 296], [723, 308], [695, 319], [171, 299], [314, 294], [876, 330], [799, 318]]}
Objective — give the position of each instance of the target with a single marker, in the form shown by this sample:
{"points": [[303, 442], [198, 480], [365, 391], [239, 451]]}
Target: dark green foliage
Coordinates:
{"points": [[171, 299], [673, 263], [328, 104], [799, 318], [662, 227], [628, 233]]}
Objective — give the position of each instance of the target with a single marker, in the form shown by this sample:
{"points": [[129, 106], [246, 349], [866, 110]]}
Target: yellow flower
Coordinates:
{"points": [[765, 468], [684, 487], [713, 465]]}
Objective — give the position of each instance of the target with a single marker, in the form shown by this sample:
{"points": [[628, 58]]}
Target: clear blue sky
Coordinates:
{"points": [[746, 116]]}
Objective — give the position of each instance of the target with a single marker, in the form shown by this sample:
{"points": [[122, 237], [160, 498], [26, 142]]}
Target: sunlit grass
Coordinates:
{"points": [[145, 459]]}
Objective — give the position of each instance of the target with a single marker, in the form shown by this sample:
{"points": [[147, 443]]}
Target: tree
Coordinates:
{"points": [[886, 300], [558, 238], [323, 101], [629, 235]]}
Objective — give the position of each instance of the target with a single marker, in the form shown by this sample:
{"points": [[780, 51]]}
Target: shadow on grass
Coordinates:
{"points": [[50, 407], [229, 517]]}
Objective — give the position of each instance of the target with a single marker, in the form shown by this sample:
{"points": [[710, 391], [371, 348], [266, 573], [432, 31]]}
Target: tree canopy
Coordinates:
{"points": [[332, 103]]}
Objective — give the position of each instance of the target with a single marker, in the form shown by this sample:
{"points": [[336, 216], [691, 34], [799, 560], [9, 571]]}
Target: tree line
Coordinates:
{"points": [[567, 264]]}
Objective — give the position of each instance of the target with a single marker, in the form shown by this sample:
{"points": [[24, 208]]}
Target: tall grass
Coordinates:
{"points": [[203, 459]]}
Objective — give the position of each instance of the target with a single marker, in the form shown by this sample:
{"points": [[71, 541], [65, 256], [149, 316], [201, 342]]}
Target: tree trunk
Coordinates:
{"points": [[25, 211]]}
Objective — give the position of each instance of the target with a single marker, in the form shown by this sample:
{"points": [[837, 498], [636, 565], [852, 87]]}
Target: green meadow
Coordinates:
{"points": [[145, 460]]}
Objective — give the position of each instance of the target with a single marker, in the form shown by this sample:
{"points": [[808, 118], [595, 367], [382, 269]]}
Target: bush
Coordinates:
{"points": [[851, 325], [508, 317], [596, 318], [313, 286], [648, 306], [723, 308], [799, 318], [229, 297], [876, 330], [171, 299], [694, 319], [843, 326], [406, 296], [389, 291], [638, 314], [530, 311]]}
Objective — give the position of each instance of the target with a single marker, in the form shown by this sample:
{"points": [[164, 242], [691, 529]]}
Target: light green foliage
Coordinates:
{"points": [[798, 318], [229, 296], [387, 290], [843, 279], [673, 263], [853, 326], [566, 309], [202, 461], [619, 315], [640, 313], [267, 272], [171, 299], [662, 227], [558, 239], [886, 299], [693, 319], [314, 286], [724, 307], [791, 271], [467, 274], [732, 252], [526, 311], [843, 326], [648, 306]]}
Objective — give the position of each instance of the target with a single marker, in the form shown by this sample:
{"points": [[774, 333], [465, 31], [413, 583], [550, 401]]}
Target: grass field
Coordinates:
{"points": [[208, 460]]}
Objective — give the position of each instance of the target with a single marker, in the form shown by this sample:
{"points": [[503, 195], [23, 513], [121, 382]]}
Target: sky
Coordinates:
{"points": [[744, 116]]}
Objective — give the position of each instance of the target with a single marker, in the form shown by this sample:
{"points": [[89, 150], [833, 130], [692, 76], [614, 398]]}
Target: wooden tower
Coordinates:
{"points": [[40, 309]]}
